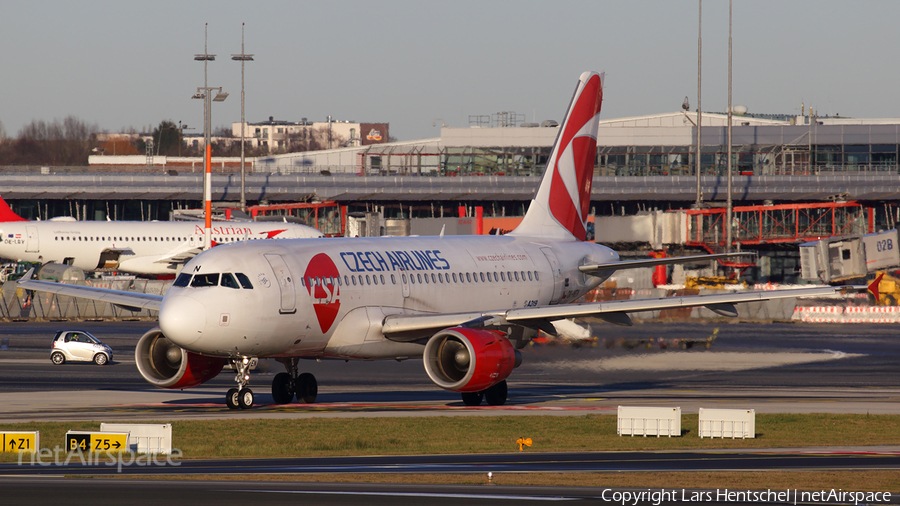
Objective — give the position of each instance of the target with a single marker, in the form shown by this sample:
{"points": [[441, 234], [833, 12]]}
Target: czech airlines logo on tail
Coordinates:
{"points": [[321, 282], [7, 214], [563, 200]]}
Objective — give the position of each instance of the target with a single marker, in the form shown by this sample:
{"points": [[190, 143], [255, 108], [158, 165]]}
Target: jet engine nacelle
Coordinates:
{"points": [[469, 360], [166, 365]]}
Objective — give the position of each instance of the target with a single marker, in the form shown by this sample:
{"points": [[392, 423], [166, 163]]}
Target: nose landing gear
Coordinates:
{"points": [[241, 397], [287, 384]]}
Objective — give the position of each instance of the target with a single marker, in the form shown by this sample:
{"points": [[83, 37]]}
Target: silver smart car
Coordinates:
{"points": [[79, 346]]}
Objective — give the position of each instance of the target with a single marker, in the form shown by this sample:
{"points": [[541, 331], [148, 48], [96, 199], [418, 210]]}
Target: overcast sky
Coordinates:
{"points": [[130, 64]]}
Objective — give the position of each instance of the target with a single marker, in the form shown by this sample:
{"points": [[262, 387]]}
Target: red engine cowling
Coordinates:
{"points": [[469, 360], [164, 364]]}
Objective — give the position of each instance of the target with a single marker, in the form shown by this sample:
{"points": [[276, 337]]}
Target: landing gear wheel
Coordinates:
{"points": [[245, 398], [496, 395], [472, 398], [231, 398], [307, 388], [58, 358], [282, 388], [100, 359]]}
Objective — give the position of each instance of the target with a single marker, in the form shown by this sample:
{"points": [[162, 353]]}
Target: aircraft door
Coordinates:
{"points": [[33, 242], [557, 275], [285, 283]]}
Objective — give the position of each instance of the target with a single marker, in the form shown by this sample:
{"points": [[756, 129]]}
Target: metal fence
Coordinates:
{"points": [[17, 303]]}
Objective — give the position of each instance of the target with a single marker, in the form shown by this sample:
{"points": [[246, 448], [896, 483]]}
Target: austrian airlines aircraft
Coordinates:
{"points": [[139, 247], [465, 304]]}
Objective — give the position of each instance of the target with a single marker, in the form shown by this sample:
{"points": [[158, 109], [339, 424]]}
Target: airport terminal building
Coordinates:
{"points": [[792, 175]]}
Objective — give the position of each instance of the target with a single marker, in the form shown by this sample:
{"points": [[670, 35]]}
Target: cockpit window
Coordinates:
{"points": [[228, 281], [245, 281], [201, 280], [183, 280]]}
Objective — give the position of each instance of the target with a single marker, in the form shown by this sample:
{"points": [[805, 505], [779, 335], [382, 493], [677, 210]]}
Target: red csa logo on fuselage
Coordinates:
{"points": [[321, 283]]}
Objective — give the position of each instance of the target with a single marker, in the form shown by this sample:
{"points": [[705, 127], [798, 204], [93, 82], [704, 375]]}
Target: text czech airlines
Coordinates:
{"points": [[376, 261]]}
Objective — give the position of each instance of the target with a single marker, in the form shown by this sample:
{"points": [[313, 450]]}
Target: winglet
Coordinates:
{"points": [[7, 214], [873, 287], [27, 276]]}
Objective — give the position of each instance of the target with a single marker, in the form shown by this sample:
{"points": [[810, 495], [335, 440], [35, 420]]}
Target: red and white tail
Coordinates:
{"points": [[559, 209], [7, 214]]}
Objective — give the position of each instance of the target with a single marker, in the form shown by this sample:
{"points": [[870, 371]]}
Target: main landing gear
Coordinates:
{"points": [[495, 395], [284, 387], [288, 384], [241, 397]]}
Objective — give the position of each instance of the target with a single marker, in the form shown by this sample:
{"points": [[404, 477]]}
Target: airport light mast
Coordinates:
{"points": [[243, 57], [204, 93]]}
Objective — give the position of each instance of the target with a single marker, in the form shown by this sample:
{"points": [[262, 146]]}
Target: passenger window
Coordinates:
{"points": [[503, 276], [433, 280], [517, 275], [382, 278], [482, 277], [404, 278], [454, 278], [496, 277], [244, 280], [468, 277], [419, 277], [183, 280], [228, 281], [393, 280], [346, 280], [536, 278], [529, 276], [201, 280]]}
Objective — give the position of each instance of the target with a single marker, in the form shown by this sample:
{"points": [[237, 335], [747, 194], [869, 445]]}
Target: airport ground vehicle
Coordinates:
{"points": [[79, 346]]}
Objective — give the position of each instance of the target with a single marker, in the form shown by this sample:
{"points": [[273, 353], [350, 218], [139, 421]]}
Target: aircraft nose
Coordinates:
{"points": [[182, 319]]}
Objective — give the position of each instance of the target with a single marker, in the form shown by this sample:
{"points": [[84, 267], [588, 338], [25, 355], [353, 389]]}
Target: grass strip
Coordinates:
{"points": [[317, 437]]}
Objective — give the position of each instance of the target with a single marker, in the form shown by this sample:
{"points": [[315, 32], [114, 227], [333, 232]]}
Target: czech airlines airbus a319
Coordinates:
{"points": [[138, 247], [465, 304]]}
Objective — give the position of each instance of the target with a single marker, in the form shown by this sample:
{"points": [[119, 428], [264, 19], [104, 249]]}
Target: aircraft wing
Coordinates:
{"points": [[133, 301], [650, 262], [412, 327]]}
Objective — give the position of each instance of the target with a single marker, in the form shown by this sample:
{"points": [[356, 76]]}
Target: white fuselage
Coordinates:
{"points": [[139, 247], [329, 297]]}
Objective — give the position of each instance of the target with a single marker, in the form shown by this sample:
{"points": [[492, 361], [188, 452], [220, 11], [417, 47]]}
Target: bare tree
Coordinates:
{"points": [[58, 143]]}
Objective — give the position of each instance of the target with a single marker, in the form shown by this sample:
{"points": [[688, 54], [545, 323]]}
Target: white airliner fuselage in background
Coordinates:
{"points": [[464, 304], [138, 247]]}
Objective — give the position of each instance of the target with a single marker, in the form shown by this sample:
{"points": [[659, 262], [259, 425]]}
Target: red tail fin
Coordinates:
{"points": [[559, 209], [7, 214]]}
